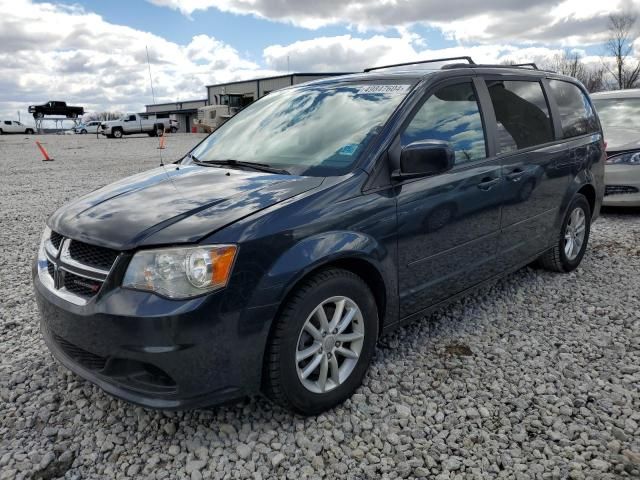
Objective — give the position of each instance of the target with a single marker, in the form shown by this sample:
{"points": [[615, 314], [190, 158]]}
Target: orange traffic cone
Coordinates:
{"points": [[46, 156]]}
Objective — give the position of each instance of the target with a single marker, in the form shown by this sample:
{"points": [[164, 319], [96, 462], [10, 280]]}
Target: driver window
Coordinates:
{"points": [[452, 115], [132, 118]]}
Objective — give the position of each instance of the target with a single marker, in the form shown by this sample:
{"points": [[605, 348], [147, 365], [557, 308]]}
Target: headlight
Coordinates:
{"points": [[181, 272], [630, 158]]}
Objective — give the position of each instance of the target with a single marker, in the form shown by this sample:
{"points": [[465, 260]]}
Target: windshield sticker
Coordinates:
{"points": [[389, 89], [348, 149]]}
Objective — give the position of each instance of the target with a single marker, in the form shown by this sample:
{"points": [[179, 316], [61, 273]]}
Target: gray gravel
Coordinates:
{"points": [[536, 377]]}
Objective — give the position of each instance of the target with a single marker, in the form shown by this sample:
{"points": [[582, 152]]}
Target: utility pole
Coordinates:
{"points": [[150, 78]]}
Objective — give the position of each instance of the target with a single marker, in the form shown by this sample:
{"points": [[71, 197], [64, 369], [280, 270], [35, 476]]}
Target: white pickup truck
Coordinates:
{"points": [[135, 123]]}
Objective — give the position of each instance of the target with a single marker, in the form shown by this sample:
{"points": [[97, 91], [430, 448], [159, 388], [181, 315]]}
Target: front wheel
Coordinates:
{"points": [[29, 131], [117, 133], [569, 249], [160, 131], [174, 129], [322, 343], [83, 131]]}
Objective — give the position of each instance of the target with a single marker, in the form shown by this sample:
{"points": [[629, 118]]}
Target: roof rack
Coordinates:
{"points": [[468, 59], [531, 65]]}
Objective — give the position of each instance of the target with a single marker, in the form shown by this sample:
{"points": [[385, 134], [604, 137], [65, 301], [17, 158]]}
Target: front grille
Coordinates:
{"points": [[619, 190], [93, 256], [81, 286], [56, 240], [86, 359], [51, 268]]}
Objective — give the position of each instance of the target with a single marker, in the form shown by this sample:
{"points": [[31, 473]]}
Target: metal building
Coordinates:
{"points": [[242, 93], [183, 112], [234, 94]]}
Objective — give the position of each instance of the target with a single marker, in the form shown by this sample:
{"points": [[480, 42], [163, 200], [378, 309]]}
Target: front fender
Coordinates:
{"points": [[315, 251]]}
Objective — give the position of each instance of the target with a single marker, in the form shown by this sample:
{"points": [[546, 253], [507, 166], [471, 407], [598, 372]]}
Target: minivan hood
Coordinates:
{"points": [[621, 139], [169, 205]]}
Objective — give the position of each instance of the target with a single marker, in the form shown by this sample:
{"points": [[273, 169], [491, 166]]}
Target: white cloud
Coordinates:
{"points": [[348, 53], [54, 52], [565, 22]]}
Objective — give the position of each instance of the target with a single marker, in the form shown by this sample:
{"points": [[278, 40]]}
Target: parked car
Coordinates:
{"points": [[619, 113], [273, 255], [88, 127], [13, 126], [133, 123], [55, 108]]}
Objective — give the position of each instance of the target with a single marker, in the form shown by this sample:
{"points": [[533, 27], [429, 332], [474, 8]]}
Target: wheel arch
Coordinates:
{"points": [[589, 192], [355, 264]]}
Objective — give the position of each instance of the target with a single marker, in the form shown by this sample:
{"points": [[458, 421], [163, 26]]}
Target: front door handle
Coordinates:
{"points": [[488, 183], [516, 175]]}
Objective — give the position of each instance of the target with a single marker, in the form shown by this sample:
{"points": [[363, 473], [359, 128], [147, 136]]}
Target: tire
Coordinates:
{"points": [[1, 132], [557, 259], [283, 382], [159, 130], [117, 133], [83, 131], [28, 131], [174, 129]]}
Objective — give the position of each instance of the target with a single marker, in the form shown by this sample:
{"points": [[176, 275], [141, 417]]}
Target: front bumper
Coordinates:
{"points": [[622, 186], [156, 352]]}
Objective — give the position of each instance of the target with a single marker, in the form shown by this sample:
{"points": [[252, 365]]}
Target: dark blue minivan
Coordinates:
{"points": [[273, 256]]}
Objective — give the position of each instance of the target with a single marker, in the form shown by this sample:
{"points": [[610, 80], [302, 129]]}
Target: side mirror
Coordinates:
{"points": [[423, 158]]}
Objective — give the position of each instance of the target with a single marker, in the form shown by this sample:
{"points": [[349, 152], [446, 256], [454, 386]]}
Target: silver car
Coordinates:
{"points": [[619, 113], [89, 127]]}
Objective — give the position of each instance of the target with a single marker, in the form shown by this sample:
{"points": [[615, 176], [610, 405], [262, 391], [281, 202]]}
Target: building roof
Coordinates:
{"points": [[176, 102], [288, 75]]}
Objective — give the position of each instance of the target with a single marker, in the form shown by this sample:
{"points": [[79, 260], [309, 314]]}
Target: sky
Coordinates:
{"points": [[93, 53]]}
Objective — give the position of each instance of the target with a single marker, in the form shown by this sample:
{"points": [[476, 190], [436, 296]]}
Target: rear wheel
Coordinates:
{"points": [[322, 343], [29, 131], [174, 129], [569, 249]]}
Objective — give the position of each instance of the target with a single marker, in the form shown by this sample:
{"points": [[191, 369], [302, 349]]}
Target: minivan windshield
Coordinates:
{"points": [[316, 129]]}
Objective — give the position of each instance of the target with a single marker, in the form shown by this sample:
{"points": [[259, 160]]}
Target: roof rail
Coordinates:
{"points": [[531, 65], [468, 59]]}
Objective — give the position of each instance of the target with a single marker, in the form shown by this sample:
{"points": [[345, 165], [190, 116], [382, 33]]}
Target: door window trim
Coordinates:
{"points": [[395, 147], [493, 122]]}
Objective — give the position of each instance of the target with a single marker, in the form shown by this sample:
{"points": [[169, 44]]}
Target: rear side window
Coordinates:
{"points": [[452, 115], [522, 114], [576, 114]]}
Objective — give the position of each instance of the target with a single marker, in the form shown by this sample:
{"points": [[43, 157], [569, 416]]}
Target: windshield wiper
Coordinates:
{"points": [[260, 167]]}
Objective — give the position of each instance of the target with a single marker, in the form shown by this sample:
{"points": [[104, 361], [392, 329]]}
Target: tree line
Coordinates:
{"points": [[618, 69]]}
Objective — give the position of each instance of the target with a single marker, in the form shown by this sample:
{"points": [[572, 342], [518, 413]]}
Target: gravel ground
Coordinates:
{"points": [[536, 377]]}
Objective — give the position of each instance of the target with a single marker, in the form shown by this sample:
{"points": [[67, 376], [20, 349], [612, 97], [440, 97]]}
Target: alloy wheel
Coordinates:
{"points": [[329, 344], [574, 233]]}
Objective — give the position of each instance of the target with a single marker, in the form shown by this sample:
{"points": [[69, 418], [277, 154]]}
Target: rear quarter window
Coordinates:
{"points": [[577, 116]]}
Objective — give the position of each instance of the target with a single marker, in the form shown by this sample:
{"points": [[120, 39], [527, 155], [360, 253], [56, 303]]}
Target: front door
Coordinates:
{"points": [[448, 224]]}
